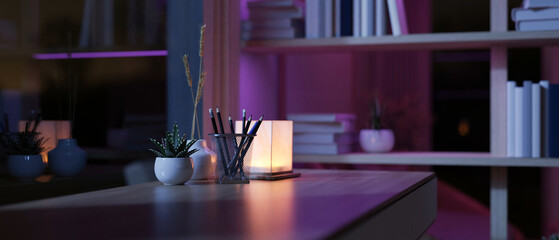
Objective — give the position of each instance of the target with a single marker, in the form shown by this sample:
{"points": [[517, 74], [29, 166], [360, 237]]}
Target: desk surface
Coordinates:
{"points": [[320, 204]]}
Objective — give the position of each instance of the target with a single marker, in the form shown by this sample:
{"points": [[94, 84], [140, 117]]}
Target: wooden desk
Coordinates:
{"points": [[498, 165], [320, 204]]}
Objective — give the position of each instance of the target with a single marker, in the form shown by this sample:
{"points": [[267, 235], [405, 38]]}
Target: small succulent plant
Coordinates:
{"points": [[376, 114], [23, 143], [173, 145]]}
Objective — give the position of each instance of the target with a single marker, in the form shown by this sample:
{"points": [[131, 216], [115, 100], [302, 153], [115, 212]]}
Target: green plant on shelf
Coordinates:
{"points": [[23, 143], [376, 110], [173, 145]]}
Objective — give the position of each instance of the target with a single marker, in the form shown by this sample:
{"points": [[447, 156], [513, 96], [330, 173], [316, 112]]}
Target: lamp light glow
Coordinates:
{"points": [[272, 150]]}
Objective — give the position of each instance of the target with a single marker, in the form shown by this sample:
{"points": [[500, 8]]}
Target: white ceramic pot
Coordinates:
{"points": [[204, 161], [25, 166], [173, 171], [373, 140]]}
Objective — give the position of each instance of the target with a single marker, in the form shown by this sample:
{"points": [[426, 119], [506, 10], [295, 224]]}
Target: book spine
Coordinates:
{"points": [[527, 119], [311, 7], [321, 19], [380, 17], [367, 18], [85, 31], [544, 113], [402, 20], [357, 18], [518, 94], [511, 85], [346, 17], [394, 19], [536, 114], [328, 18], [337, 18], [553, 119]]}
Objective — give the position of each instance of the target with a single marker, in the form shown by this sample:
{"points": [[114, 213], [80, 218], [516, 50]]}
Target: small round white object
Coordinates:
{"points": [[173, 171], [376, 140]]}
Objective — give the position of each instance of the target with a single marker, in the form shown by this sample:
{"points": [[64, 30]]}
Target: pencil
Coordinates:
{"points": [[213, 121], [223, 161], [219, 120], [247, 125], [231, 125], [244, 121]]}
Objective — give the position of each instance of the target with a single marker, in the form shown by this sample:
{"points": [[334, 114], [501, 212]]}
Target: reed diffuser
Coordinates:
{"points": [[200, 83]]}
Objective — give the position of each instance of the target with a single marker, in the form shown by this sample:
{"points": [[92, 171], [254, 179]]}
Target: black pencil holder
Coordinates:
{"points": [[234, 156]]}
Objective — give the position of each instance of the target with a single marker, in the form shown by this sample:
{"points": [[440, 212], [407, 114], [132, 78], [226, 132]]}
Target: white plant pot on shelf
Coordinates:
{"points": [[173, 171], [376, 140]]}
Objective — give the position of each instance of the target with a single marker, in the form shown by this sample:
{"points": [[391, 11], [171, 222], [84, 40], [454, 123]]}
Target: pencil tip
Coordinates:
{"points": [[210, 110], [230, 117], [216, 109]]}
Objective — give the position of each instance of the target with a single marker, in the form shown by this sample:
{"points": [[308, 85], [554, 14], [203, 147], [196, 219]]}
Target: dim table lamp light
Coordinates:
{"points": [[272, 150]]}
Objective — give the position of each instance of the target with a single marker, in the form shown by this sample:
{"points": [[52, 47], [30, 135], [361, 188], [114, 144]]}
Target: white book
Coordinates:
{"points": [[527, 119], [322, 148], [357, 18], [397, 14], [321, 117], [312, 19], [521, 14], [328, 18], [536, 117], [323, 127], [339, 138], [380, 17], [518, 132], [511, 85], [538, 25], [394, 20], [540, 3], [367, 24], [544, 124]]}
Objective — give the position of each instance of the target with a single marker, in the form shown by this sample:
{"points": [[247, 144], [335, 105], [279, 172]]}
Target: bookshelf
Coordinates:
{"points": [[477, 159], [429, 41], [223, 20]]}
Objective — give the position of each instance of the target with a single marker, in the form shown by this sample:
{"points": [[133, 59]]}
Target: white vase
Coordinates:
{"points": [[25, 166], [376, 140], [173, 171], [204, 161]]}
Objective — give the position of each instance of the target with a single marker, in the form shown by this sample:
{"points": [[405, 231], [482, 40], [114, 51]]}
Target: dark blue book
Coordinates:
{"points": [[346, 17], [552, 115]]}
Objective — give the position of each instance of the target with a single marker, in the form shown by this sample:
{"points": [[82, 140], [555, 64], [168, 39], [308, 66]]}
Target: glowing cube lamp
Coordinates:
{"points": [[272, 150]]}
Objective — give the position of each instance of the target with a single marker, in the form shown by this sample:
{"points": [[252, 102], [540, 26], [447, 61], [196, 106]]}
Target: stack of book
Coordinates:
{"points": [[332, 133], [537, 15], [358, 18], [532, 129], [273, 19]]}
